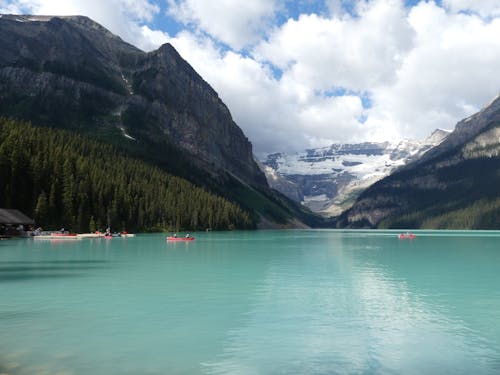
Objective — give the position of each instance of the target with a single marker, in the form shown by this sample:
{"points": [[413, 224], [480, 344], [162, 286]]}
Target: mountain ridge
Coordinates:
{"points": [[328, 179], [454, 186]]}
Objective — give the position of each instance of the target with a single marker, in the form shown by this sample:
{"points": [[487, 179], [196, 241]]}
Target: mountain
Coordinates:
{"points": [[454, 185], [72, 73], [329, 179]]}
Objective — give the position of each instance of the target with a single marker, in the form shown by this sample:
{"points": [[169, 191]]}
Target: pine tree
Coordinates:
{"points": [[42, 209]]}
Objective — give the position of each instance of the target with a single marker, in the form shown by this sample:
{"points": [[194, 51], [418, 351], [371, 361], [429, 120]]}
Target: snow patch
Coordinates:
{"points": [[354, 164], [128, 85], [315, 198], [469, 118], [491, 101], [126, 135]]}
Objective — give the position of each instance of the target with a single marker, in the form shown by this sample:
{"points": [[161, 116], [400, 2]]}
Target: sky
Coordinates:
{"points": [[309, 73]]}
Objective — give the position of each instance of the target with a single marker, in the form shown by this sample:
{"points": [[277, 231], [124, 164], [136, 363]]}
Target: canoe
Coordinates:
{"points": [[407, 236], [101, 235], [180, 238], [89, 235], [52, 237]]}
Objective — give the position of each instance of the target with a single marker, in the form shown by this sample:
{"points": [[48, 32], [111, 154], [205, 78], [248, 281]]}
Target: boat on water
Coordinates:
{"points": [[171, 238], [106, 235], [406, 236], [79, 236], [117, 234], [57, 236], [89, 235]]}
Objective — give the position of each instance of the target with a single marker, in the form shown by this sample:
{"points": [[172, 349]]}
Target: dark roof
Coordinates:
{"points": [[15, 217]]}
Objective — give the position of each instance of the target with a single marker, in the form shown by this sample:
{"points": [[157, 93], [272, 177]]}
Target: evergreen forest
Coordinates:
{"points": [[63, 179]]}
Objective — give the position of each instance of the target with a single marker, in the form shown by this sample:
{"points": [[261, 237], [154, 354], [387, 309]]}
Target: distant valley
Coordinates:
{"points": [[449, 180], [328, 180]]}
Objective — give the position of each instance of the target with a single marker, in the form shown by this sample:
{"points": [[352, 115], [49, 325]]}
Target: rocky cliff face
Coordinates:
{"points": [[454, 185], [71, 72], [468, 128]]}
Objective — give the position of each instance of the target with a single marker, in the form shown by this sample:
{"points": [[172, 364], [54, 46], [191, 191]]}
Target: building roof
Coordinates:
{"points": [[14, 217]]}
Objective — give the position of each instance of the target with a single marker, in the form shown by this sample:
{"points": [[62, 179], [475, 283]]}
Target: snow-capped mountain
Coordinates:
{"points": [[328, 179]]}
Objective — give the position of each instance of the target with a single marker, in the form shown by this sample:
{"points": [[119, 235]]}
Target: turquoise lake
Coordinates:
{"points": [[264, 302]]}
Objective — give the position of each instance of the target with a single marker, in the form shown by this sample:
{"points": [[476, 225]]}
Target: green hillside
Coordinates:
{"points": [[466, 197], [65, 179]]}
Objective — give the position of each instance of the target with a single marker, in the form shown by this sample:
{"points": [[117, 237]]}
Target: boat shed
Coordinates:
{"points": [[14, 217]]}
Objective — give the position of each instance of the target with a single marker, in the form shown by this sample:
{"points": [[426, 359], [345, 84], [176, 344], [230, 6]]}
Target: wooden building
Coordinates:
{"points": [[14, 222]]}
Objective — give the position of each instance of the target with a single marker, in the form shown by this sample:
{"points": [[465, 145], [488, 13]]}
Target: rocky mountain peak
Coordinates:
{"points": [[83, 22], [71, 72], [437, 136], [469, 127]]}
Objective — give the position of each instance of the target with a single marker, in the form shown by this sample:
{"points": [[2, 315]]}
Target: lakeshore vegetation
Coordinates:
{"points": [[65, 179]]}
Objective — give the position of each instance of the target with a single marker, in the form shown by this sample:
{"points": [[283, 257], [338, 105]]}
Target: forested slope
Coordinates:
{"points": [[65, 179]]}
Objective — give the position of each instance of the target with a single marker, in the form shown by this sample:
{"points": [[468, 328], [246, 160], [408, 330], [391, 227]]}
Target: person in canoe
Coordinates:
{"points": [[187, 235]]}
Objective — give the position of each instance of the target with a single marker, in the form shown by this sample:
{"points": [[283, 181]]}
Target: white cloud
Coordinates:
{"points": [[423, 68], [6, 7], [238, 23], [336, 7], [351, 52], [485, 8], [449, 74], [140, 10], [152, 39]]}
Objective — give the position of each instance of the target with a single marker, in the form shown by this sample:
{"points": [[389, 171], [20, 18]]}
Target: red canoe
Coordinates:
{"points": [[407, 236], [180, 238]]}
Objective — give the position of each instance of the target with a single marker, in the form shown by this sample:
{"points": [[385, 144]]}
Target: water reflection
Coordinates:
{"points": [[351, 309], [28, 270]]}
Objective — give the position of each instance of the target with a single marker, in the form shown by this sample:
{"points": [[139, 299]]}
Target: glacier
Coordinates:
{"points": [[328, 180]]}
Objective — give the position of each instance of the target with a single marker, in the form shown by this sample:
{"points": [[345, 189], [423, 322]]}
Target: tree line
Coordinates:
{"points": [[66, 179]]}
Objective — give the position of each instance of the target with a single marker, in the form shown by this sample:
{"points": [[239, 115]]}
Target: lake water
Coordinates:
{"points": [[265, 302]]}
